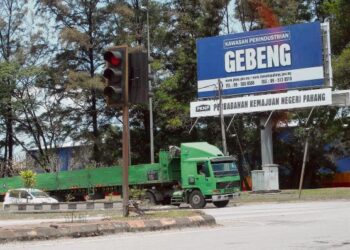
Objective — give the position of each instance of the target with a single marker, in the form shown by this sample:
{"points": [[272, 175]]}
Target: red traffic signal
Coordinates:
{"points": [[116, 75], [113, 57]]}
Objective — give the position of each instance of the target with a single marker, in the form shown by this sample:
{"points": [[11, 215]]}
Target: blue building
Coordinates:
{"points": [[63, 158]]}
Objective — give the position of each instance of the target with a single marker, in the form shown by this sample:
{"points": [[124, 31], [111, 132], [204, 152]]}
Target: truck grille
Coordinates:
{"points": [[227, 184]]}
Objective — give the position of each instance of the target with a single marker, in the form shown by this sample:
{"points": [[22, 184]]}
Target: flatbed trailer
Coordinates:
{"points": [[175, 179]]}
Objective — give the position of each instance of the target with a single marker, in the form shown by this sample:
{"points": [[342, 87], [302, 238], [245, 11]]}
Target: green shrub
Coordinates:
{"points": [[28, 178], [137, 193]]}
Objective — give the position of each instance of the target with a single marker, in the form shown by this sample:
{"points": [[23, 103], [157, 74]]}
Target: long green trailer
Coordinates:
{"points": [[196, 173]]}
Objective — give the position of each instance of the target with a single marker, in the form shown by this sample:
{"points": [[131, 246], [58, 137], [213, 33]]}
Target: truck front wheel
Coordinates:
{"points": [[220, 203], [197, 200], [150, 198]]}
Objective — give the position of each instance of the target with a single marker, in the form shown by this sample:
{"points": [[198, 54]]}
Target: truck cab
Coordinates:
{"points": [[207, 175]]}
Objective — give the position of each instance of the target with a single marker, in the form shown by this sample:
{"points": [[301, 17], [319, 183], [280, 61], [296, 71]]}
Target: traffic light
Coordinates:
{"points": [[116, 75], [139, 77]]}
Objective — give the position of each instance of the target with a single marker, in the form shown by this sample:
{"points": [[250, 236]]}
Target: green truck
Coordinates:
{"points": [[196, 173]]}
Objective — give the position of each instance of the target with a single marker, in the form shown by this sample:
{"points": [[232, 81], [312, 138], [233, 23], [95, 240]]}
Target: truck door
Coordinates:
{"points": [[202, 174]]}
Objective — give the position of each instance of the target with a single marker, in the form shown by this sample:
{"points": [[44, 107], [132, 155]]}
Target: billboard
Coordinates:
{"points": [[269, 60], [262, 103]]}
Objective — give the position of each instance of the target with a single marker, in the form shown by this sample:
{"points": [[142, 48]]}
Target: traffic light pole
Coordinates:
{"points": [[125, 187], [117, 94], [125, 160]]}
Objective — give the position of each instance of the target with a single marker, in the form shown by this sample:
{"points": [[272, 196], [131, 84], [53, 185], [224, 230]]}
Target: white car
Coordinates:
{"points": [[27, 195]]}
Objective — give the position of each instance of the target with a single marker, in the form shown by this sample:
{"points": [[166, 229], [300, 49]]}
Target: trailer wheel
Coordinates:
{"points": [[150, 198], [197, 200], [220, 203]]}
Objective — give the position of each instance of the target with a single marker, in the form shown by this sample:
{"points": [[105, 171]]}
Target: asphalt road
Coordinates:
{"points": [[306, 225]]}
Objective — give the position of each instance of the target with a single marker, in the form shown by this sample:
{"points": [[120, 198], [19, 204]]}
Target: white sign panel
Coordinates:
{"points": [[261, 103]]}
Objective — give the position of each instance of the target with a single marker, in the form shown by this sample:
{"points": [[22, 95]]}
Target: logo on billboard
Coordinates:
{"points": [[203, 108]]}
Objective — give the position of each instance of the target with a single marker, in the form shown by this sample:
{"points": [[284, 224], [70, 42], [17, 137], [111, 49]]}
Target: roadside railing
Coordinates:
{"points": [[63, 206]]}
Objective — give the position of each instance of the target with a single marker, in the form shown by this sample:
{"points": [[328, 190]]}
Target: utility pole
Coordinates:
{"points": [[150, 91], [222, 122]]}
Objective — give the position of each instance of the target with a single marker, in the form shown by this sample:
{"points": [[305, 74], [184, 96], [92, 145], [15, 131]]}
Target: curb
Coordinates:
{"points": [[104, 227], [63, 206]]}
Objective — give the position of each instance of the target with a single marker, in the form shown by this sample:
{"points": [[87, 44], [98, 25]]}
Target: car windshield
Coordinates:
{"points": [[39, 194], [224, 169]]}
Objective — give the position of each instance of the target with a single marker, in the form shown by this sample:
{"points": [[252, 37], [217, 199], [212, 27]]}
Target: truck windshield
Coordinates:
{"points": [[224, 169]]}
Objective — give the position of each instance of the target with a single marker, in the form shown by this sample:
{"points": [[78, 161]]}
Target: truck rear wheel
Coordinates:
{"points": [[197, 200], [220, 203]]}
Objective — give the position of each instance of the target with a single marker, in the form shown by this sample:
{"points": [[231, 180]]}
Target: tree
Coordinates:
{"points": [[337, 11], [258, 14], [13, 15], [189, 20], [86, 28]]}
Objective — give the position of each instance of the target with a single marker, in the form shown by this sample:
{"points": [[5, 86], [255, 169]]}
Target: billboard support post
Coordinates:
{"points": [[222, 121], [306, 148], [266, 141], [194, 124], [327, 56], [304, 163]]}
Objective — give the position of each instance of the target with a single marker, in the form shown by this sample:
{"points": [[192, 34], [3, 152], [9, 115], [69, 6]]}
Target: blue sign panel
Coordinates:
{"points": [[267, 60]]}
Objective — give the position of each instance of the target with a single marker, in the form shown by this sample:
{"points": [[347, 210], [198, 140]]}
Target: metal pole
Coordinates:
{"points": [[223, 133], [229, 125], [150, 98], [268, 119], [266, 141], [304, 163], [194, 124], [125, 187], [305, 153], [227, 21]]}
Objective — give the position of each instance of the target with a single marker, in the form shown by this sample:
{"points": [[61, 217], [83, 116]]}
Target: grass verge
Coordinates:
{"points": [[293, 195], [104, 214]]}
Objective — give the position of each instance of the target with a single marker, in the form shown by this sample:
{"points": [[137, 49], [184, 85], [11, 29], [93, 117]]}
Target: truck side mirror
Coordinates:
{"points": [[191, 180]]}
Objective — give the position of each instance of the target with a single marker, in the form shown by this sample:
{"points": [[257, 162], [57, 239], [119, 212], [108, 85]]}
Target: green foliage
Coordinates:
{"points": [[338, 12], [136, 193], [341, 69], [28, 178], [189, 20]]}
